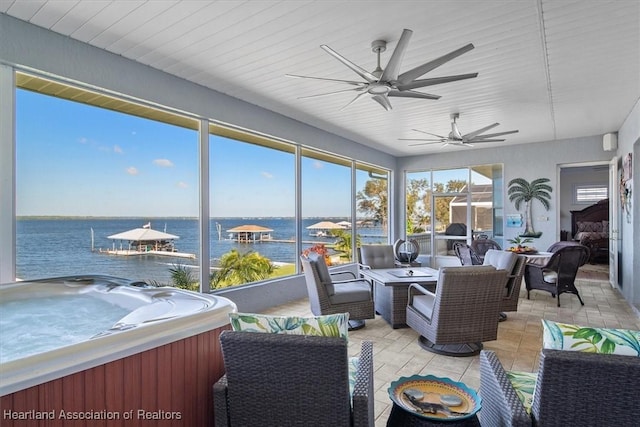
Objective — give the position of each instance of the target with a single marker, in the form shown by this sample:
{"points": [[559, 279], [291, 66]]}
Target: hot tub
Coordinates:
{"points": [[155, 363]]}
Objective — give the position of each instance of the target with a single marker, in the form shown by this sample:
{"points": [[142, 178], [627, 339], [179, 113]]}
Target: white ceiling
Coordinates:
{"points": [[552, 69]]}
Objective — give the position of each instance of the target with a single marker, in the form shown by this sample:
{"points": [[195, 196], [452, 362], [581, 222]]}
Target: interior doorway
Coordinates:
{"points": [[581, 186]]}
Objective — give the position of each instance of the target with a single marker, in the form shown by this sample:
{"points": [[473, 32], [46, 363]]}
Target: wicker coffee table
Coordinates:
{"points": [[390, 286]]}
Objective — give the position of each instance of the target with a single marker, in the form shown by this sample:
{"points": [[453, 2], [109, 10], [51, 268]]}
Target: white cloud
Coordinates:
{"points": [[132, 170], [117, 149], [183, 184], [83, 140], [163, 163], [318, 164], [267, 175]]}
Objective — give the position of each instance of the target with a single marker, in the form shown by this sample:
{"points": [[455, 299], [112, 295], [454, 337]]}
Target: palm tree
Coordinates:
{"points": [[520, 190], [343, 242], [183, 278], [237, 268]]}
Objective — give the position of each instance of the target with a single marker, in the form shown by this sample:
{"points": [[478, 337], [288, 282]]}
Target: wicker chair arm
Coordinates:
{"points": [[335, 282], [535, 273], [363, 410], [349, 273], [500, 403], [416, 289], [220, 409]]}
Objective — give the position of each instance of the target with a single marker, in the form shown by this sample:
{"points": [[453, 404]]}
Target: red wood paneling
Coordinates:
{"points": [[166, 386]]}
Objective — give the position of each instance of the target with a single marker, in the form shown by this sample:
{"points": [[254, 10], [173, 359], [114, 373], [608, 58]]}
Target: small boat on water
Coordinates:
{"points": [[146, 241]]}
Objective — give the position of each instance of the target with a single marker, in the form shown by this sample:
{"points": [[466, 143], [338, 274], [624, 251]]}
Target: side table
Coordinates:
{"points": [[401, 418]]}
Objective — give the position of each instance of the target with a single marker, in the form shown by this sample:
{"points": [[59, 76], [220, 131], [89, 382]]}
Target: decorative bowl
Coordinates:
{"points": [[434, 388]]}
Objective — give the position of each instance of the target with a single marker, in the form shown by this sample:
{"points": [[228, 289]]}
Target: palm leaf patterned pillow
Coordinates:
{"points": [[564, 336], [332, 325], [524, 384]]}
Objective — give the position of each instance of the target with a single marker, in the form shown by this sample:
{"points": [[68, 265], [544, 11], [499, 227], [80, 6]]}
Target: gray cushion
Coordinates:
{"points": [[424, 304], [500, 260], [351, 292], [378, 256], [323, 271]]}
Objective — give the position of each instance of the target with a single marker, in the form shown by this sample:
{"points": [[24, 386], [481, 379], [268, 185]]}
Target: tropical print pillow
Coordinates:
{"points": [[353, 373], [563, 336], [332, 325], [524, 383]]}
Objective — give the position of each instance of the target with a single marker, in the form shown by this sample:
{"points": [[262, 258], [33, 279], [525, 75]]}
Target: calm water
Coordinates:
{"points": [[61, 247]]}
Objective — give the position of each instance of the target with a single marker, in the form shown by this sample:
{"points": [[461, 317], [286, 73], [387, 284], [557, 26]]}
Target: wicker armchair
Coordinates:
{"points": [[481, 246], [292, 380], [329, 296], [461, 314], [573, 389], [466, 254], [515, 265], [558, 275]]}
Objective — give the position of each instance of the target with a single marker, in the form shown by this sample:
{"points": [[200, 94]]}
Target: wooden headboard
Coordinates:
{"points": [[593, 213]]}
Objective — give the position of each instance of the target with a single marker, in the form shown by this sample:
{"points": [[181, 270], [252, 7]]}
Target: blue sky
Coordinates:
{"points": [[74, 159]]}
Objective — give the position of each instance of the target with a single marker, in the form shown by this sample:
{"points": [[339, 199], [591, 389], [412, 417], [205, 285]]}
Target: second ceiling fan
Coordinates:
{"points": [[456, 137], [382, 84]]}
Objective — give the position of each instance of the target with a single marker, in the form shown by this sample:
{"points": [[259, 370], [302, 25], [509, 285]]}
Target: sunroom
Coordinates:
{"points": [[241, 163]]}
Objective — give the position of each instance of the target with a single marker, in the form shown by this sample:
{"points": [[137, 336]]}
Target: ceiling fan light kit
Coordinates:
{"points": [[389, 82]]}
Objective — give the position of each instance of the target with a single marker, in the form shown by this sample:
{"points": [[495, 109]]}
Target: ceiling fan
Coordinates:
{"points": [[455, 137], [382, 84]]}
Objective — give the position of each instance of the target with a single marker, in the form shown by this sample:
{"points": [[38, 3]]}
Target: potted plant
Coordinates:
{"points": [[519, 244]]}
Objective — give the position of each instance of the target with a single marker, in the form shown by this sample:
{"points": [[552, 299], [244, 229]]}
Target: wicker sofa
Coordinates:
{"points": [[573, 389]]}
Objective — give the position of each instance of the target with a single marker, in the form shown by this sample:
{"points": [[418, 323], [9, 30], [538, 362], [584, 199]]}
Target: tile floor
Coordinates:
{"points": [[397, 354]]}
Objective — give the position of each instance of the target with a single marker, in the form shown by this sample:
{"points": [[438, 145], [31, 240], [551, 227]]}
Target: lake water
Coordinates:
{"points": [[62, 247]]}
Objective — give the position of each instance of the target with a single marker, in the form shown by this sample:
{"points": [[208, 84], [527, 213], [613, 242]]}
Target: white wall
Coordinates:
{"points": [[629, 142]]}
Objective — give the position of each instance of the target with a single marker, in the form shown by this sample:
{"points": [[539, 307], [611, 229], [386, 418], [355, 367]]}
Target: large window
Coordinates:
{"points": [[85, 174], [326, 205], [445, 206], [372, 224], [252, 202], [97, 173]]}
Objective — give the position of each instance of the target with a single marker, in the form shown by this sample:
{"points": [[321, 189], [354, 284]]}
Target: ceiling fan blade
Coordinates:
{"points": [[479, 131], [414, 73], [476, 141], [351, 82], [423, 139], [424, 143], [329, 93], [353, 100], [491, 135], [393, 67], [429, 133], [356, 68], [435, 81], [383, 100], [412, 94]]}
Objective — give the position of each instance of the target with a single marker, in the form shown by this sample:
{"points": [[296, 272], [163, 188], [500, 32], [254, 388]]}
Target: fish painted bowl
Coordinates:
{"points": [[433, 389]]}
